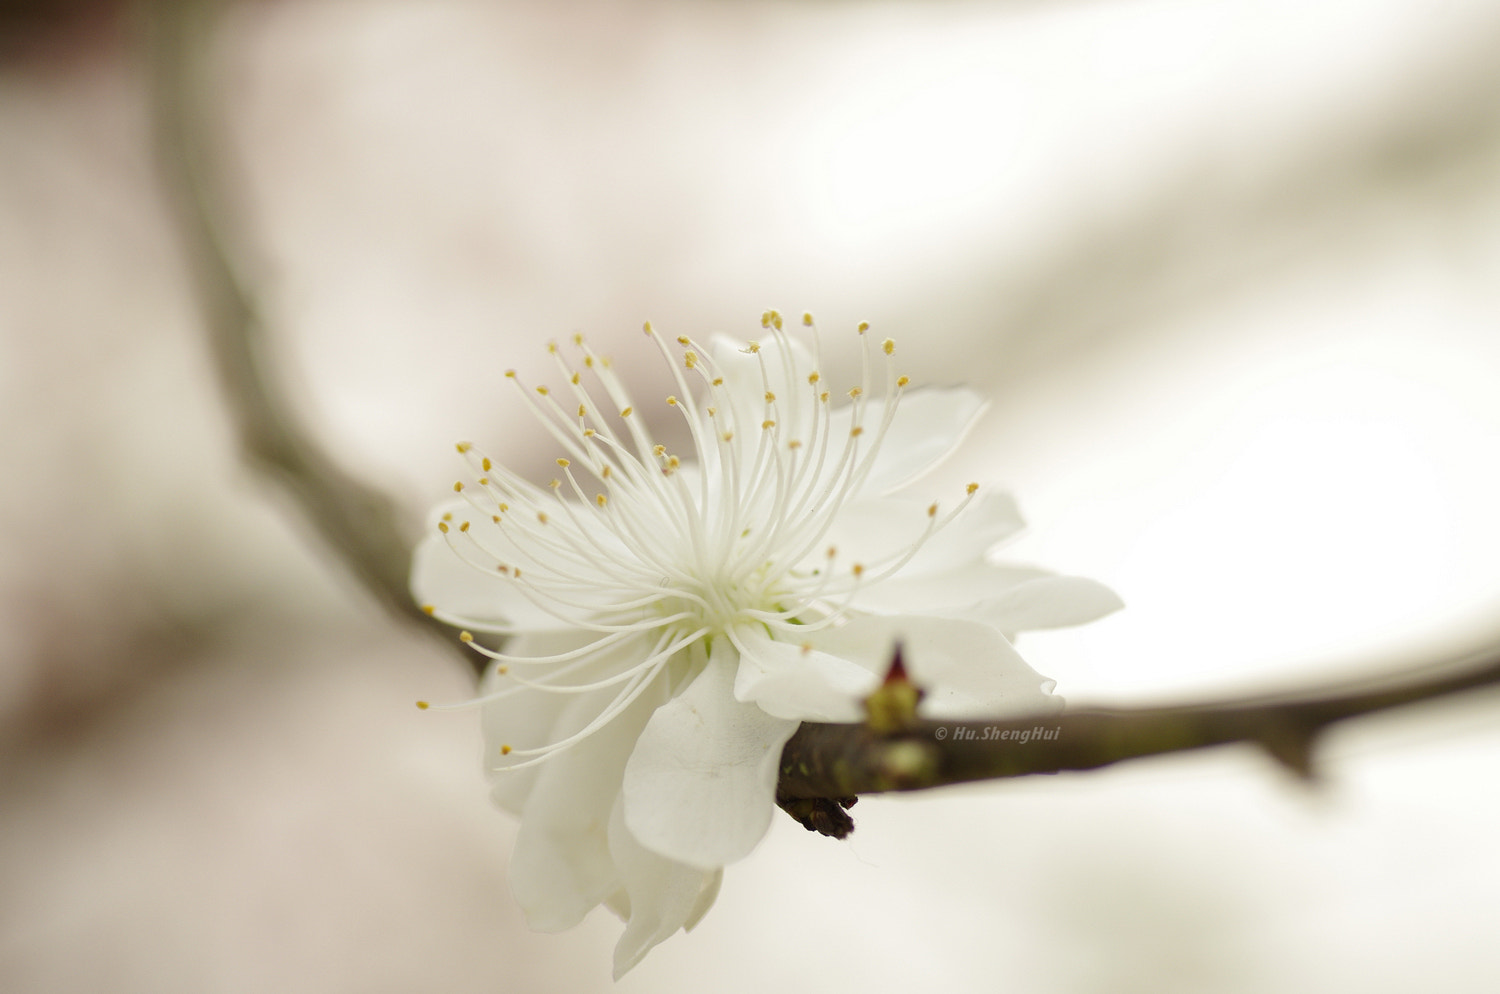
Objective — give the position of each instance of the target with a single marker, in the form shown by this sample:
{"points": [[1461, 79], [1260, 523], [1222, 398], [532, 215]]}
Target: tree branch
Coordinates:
{"points": [[361, 525], [824, 765]]}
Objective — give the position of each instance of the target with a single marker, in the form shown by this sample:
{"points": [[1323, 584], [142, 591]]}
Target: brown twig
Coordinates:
{"points": [[824, 764]]}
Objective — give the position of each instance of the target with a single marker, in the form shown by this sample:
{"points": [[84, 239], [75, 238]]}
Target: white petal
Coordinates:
{"points": [[991, 518], [928, 425], [785, 372], [530, 719], [561, 867], [790, 680], [439, 577], [1048, 602], [872, 529], [953, 590], [619, 903], [465, 585], [663, 896], [700, 786], [875, 528], [706, 899], [968, 667]]}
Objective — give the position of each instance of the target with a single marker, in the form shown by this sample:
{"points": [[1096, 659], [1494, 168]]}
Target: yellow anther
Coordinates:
{"points": [[728, 436], [971, 488], [671, 401], [807, 319], [575, 379], [516, 572], [751, 347], [823, 396], [577, 338], [589, 433], [647, 327], [932, 510], [552, 348], [690, 359], [485, 464], [765, 319], [510, 373], [582, 411], [543, 391], [588, 361], [463, 447], [684, 340], [554, 483], [770, 397], [464, 527], [505, 750], [766, 425], [856, 431], [601, 500], [484, 481], [712, 411], [605, 361], [495, 518], [564, 463], [504, 570], [658, 450], [864, 326], [806, 648], [858, 570], [776, 319], [504, 508], [888, 346], [673, 462], [855, 393], [458, 487], [794, 444], [428, 609], [606, 474], [502, 670], [626, 413], [423, 705], [814, 376], [718, 381], [833, 550], [447, 515], [465, 637], [903, 381], [541, 516]]}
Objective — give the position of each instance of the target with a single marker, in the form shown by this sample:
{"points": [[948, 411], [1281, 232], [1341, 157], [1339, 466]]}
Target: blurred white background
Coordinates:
{"points": [[1230, 273]]}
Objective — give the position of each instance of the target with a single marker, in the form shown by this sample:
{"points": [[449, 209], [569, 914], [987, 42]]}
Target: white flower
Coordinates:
{"points": [[672, 619]]}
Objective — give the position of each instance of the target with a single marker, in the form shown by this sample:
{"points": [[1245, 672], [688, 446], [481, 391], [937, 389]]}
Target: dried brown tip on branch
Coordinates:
{"points": [[824, 815]]}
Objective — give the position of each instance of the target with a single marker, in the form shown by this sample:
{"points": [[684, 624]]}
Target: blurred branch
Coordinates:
{"points": [[824, 766], [360, 524]]}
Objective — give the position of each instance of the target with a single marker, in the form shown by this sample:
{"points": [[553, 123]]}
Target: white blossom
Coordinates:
{"points": [[667, 619]]}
